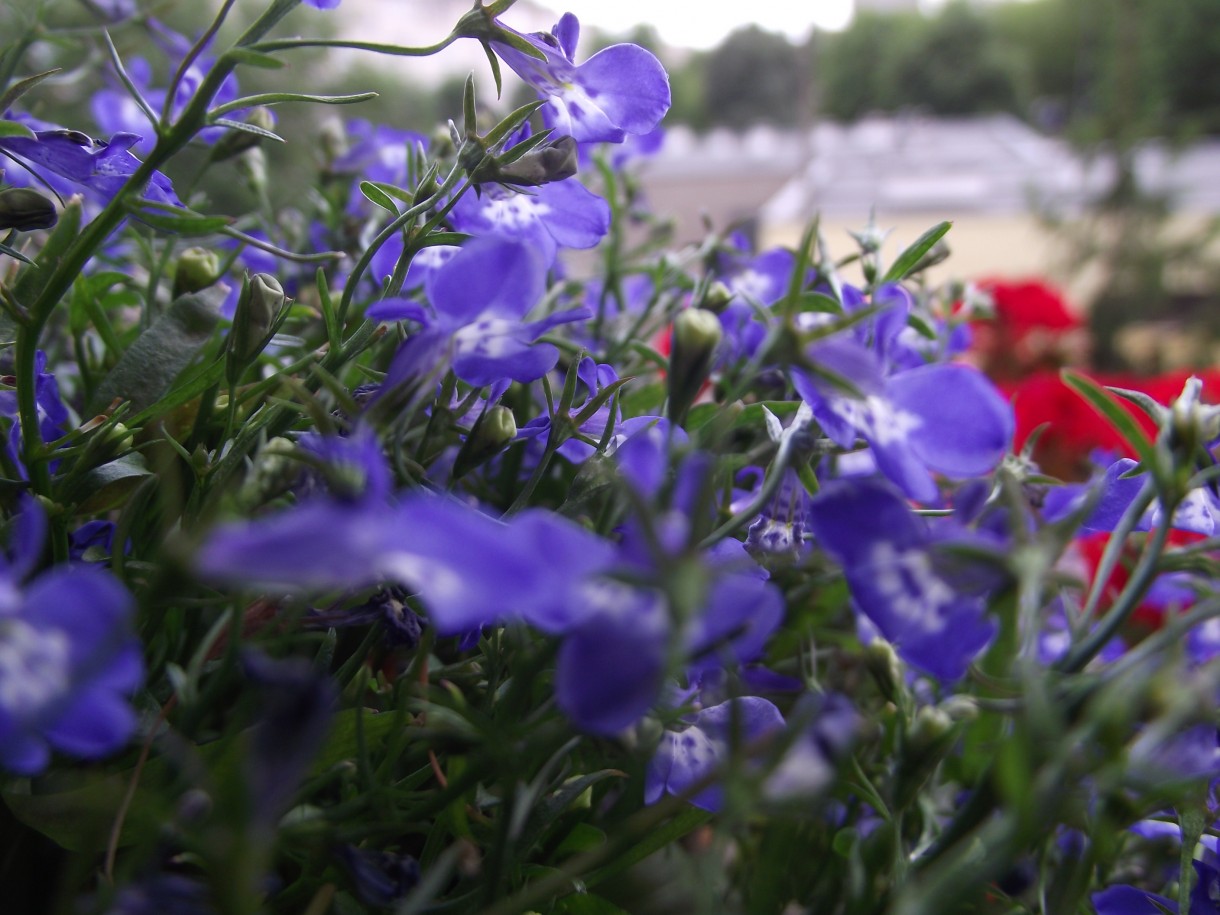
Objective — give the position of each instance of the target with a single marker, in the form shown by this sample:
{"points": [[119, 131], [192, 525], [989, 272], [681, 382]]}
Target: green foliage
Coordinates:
{"points": [[754, 76]]}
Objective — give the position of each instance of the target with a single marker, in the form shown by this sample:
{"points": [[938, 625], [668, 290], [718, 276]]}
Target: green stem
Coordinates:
{"points": [[291, 44], [1140, 581], [353, 280]]}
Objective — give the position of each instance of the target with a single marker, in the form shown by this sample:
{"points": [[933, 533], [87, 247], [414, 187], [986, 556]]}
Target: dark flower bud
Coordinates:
{"points": [[198, 268], [261, 299], [696, 335], [381, 878], [553, 160], [25, 210]]}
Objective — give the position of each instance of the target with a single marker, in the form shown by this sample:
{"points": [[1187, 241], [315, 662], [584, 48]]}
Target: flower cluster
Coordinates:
{"points": [[381, 547]]}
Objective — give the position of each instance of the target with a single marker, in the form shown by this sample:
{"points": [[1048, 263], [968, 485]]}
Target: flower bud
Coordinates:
{"points": [[253, 166], [332, 140], [553, 160], [717, 297], [198, 268], [882, 662], [261, 299], [696, 335], [24, 209], [928, 739], [493, 431], [1191, 422], [238, 141]]}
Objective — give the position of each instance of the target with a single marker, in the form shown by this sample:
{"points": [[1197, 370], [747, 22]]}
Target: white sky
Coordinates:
{"points": [[703, 23]]}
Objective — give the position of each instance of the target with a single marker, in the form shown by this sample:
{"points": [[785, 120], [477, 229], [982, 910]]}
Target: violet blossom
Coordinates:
{"points": [[620, 90], [68, 656]]}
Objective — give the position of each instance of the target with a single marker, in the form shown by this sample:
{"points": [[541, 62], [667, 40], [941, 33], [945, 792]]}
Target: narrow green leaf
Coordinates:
{"points": [[253, 58], [1112, 411], [177, 221], [375, 194], [440, 238], [21, 87], [911, 256], [277, 98], [15, 129], [244, 127], [12, 252], [515, 119]]}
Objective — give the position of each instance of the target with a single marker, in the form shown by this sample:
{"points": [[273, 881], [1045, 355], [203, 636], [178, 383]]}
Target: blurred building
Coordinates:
{"points": [[994, 177], [887, 6]]}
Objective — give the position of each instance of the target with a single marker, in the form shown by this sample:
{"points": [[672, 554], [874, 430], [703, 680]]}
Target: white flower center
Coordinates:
{"points": [[910, 586], [34, 667], [490, 337], [750, 284], [876, 418], [516, 211]]}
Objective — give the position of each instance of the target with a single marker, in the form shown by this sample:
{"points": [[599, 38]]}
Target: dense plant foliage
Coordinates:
{"points": [[386, 552]]}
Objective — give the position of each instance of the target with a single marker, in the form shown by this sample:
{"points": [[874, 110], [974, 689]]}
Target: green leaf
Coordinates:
{"points": [[682, 824], [1112, 412], [15, 129], [79, 818], [912, 255], [107, 487], [146, 372], [21, 87], [586, 904], [375, 194], [12, 252], [177, 221], [253, 58], [347, 729], [277, 98], [511, 122], [440, 238], [582, 838], [245, 127]]}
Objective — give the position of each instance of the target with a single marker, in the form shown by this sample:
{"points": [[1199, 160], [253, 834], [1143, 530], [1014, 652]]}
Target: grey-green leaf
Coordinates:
{"points": [[147, 370]]}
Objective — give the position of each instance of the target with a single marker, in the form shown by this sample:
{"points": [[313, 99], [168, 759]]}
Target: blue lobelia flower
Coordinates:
{"points": [[115, 111], [469, 570], [560, 214], [52, 414], [899, 578], [1130, 900], [375, 153], [947, 419], [1118, 487], [68, 657], [685, 758], [620, 90], [97, 167], [479, 299]]}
